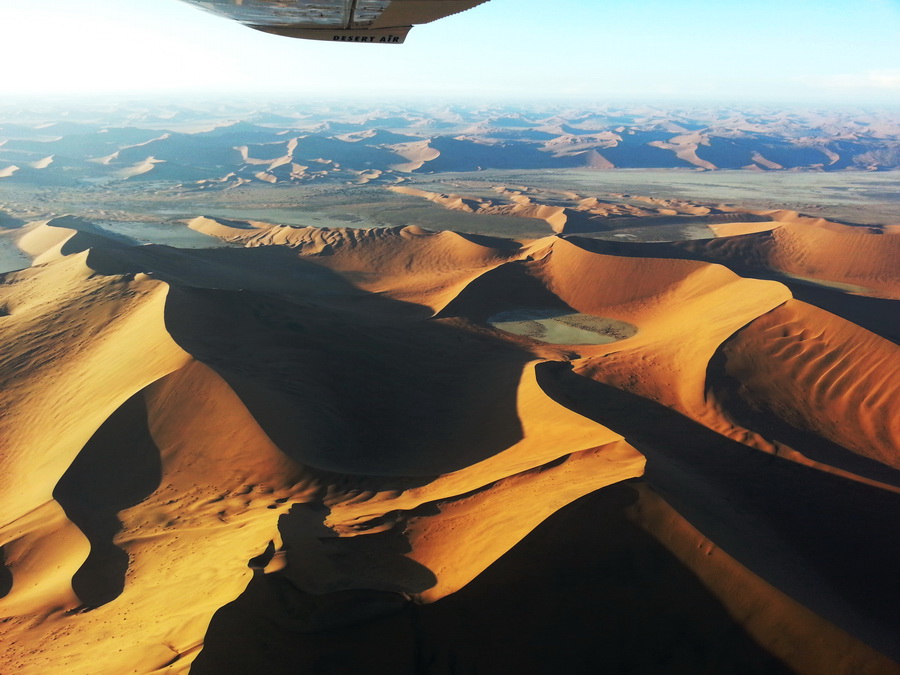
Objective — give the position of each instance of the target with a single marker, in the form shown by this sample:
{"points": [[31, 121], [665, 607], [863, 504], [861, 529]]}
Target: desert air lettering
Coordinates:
{"points": [[391, 39]]}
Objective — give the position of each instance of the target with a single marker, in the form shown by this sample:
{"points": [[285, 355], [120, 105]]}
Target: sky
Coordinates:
{"points": [[797, 51]]}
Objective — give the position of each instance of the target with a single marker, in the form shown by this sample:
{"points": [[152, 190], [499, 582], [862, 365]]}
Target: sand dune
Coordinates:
{"points": [[810, 379], [42, 163], [407, 264], [685, 148], [868, 256], [417, 153], [737, 228], [518, 205], [72, 353], [322, 427], [44, 241], [574, 214], [139, 168], [804, 248]]}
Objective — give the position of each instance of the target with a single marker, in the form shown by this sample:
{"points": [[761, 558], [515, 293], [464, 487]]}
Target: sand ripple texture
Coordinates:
{"points": [[244, 459]]}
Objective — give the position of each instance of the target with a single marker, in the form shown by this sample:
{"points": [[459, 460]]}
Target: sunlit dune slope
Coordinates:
{"points": [[322, 427], [854, 258], [49, 240], [69, 362], [814, 372]]}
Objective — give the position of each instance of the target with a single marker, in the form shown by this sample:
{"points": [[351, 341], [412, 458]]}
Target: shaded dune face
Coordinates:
{"points": [[118, 468], [323, 427]]}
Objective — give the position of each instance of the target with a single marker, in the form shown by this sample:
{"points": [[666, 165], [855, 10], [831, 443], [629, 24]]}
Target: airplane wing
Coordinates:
{"points": [[377, 21]]}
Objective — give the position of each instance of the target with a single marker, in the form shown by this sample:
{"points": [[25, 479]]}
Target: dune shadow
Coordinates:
{"points": [[10, 222], [271, 628], [6, 577], [117, 468], [356, 391], [261, 629], [352, 382], [824, 540], [227, 268], [585, 592], [88, 235], [489, 241], [322, 562], [509, 286]]}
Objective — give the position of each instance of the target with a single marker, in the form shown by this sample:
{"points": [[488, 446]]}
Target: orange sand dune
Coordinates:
{"points": [[812, 370], [737, 228], [417, 154], [322, 426], [857, 256], [43, 241], [96, 355], [48, 240], [822, 381], [855, 259], [521, 206], [408, 264]]}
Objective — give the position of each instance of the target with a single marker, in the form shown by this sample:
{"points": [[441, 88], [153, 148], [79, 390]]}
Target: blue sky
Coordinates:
{"points": [[823, 51]]}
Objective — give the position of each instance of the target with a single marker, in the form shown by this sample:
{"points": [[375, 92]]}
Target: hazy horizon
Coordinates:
{"points": [[814, 53]]}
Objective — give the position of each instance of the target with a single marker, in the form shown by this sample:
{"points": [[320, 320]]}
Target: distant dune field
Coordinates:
{"points": [[264, 448], [227, 146]]}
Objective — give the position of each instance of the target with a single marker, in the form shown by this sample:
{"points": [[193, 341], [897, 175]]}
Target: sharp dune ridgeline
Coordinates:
{"points": [[455, 452]]}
